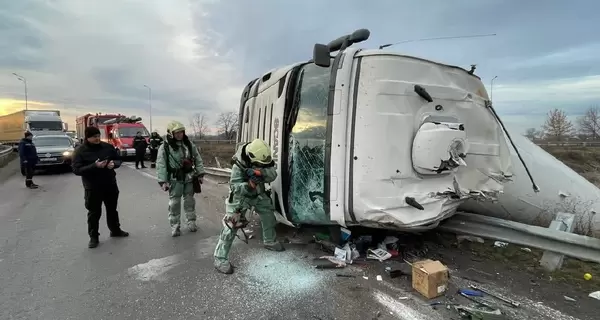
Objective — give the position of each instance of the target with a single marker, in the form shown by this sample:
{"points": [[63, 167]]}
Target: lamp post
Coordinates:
{"points": [[21, 78], [492, 88], [150, 104]]}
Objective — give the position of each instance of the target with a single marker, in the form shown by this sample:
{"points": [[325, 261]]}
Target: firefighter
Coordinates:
{"points": [[140, 145], [179, 168], [155, 142], [29, 158], [253, 167]]}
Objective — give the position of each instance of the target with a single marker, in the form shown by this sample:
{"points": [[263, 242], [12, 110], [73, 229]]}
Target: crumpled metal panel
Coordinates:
{"points": [[307, 177]]}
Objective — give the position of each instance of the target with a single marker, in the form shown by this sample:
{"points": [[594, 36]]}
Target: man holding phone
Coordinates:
{"points": [[95, 162]]}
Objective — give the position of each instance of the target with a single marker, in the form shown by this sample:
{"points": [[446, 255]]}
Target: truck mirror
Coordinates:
{"points": [[360, 35], [321, 55]]}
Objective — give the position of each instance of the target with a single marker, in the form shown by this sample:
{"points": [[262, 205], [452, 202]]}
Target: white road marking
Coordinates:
{"points": [[155, 268], [401, 310]]}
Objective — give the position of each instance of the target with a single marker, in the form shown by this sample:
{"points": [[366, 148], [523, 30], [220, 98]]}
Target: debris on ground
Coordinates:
{"points": [[461, 238], [430, 278], [595, 295]]}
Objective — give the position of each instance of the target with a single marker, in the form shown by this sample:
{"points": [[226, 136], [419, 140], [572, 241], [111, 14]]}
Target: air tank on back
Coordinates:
{"points": [[561, 190]]}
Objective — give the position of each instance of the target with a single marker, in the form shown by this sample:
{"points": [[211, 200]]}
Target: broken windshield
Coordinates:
{"points": [[307, 146]]}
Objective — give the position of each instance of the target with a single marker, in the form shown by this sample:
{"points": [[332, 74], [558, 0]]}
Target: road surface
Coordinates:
{"points": [[47, 272]]}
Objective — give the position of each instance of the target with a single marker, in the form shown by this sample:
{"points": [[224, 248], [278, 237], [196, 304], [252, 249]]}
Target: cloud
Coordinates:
{"points": [[197, 55]]}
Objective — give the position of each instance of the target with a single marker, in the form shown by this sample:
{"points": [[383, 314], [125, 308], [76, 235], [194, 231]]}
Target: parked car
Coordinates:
{"points": [[54, 151]]}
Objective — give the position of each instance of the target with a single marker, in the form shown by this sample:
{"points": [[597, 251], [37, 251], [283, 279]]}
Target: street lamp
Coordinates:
{"points": [[492, 88], [21, 78], [150, 104]]}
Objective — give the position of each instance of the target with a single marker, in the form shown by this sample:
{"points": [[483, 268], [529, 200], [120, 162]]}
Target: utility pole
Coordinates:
{"points": [[492, 88], [21, 78], [150, 105]]}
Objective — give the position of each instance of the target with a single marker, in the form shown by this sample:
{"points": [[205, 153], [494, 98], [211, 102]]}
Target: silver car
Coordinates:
{"points": [[54, 151]]}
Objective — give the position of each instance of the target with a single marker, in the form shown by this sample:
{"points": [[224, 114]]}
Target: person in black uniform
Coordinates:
{"points": [[95, 161], [155, 142], [29, 158], [140, 145]]}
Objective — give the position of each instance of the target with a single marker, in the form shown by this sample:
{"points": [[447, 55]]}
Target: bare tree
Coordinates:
{"points": [[227, 123], [589, 123], [532, 133], [557, 126]]}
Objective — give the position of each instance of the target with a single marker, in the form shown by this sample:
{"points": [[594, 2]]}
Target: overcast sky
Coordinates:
{"points": [[96, 55]]}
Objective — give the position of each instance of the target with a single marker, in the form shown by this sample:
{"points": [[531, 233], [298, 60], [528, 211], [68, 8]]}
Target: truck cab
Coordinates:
{"points": [[121, 136], [375, 138]]}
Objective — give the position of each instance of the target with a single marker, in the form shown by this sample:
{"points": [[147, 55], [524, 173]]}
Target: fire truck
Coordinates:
{"points": [[116, 129]]}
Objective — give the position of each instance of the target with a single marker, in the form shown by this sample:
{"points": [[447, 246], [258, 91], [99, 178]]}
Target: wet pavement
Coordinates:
{"points": [[47, 271]]}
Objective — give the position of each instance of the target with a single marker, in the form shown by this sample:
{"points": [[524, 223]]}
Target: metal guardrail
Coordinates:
{"points": [[204, 142], [5, 153], [568, 244], [217, 172]]}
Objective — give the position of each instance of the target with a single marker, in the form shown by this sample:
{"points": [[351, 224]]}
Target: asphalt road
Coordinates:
{"points": [[47, 272]]}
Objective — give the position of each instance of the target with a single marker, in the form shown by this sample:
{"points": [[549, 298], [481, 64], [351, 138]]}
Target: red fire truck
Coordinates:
{"points": [[116, 129]]}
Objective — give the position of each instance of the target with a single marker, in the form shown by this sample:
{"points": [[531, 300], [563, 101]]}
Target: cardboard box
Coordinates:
{"points": [[430, 278]]}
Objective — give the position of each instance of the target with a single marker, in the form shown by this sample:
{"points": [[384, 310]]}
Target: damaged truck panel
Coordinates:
{"points": [[425, 142]]}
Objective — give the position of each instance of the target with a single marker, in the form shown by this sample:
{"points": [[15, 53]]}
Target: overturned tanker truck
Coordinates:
{"points": [[385, 140]]}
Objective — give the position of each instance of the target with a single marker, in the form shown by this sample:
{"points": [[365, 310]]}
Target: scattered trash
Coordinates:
{"points": [[328, 262], [340, 254], [403, 269], [345, 234], [500, 244], [479, 302], [595, 295], [569, 299], [461, 238], [378, 254], [366, 278], [344, 275], [326, 245], [379, 278], [479, 314], [430, 278], [403, 298], [472, 293], [526, 249], [497, 296], [587, 276]]}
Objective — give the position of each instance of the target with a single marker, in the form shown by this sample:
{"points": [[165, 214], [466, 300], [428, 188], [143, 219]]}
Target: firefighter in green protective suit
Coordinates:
{"points": [[178, 165], [252, 168]]}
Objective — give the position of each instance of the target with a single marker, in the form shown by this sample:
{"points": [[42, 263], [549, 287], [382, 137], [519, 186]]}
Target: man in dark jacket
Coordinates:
{"points": [[95, 162], [155, 142], [140, 145], [29, 158]]}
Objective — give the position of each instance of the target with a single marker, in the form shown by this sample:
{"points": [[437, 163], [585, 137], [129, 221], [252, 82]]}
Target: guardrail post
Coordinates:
{"points": [[563, 222]]}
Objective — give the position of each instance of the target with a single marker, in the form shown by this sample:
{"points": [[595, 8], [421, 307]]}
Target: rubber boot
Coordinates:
{"points": [[223, 267], [275, 246], [175, 231], [192, 227]]}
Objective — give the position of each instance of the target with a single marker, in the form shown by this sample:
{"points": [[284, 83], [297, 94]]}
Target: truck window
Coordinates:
{"points": [[306, 147], [45, 125], [52, 142], [128, 132]]}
